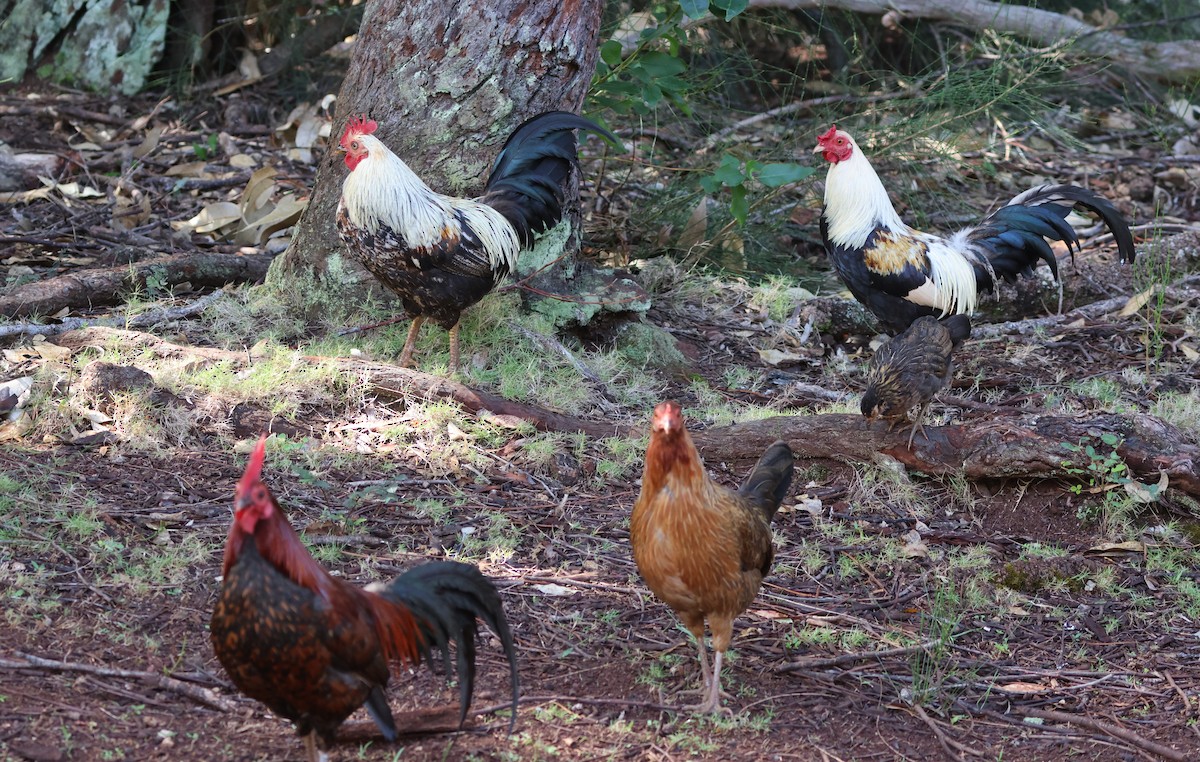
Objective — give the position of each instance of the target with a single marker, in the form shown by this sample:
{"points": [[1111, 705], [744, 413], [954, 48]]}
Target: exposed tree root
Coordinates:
{"points": [[1006, 446]]}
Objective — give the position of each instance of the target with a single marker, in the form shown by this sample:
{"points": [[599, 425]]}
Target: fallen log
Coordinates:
{"points": [[107, 285], [1006, 446]]}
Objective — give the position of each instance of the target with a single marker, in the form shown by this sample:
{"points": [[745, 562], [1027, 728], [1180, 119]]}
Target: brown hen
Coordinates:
{"points": [[910, 369], [702, 548]]}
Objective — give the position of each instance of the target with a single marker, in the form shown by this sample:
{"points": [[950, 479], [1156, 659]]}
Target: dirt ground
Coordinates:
{"points": [[1008, 628]]}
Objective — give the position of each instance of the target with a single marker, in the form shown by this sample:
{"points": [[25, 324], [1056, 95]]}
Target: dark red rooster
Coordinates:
{"points": [[442, 254], [900, 273], [314, 648]]}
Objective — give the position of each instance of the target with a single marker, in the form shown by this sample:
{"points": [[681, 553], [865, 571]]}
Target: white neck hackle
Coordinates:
{"points": [[856, 202], [383, 190]]}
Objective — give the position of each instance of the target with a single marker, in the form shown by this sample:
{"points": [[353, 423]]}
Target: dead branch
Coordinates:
{"points": [[1174, 61], [143, 320], [194, 692], [106, 286], [1166, 752], [1088, 311]]}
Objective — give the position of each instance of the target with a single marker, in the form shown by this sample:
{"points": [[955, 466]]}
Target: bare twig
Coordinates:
{"points": [[720, 135], [1128, 736], [194, 692], [834, 661], [555, 345], [143, 320], [953, 748]]}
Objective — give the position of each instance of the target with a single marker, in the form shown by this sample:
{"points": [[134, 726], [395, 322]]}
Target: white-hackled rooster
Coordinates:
{"points": [[442, 254], [901, 274]]}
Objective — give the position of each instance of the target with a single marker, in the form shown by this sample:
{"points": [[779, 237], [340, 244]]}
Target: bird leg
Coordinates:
{"points": [[410, 342], [454, 349], [312, 751], [917, 425], [712, 702]]}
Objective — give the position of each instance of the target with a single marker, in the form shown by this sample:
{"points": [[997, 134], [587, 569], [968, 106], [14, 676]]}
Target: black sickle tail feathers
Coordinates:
{"points": [[378, 709], [769, 482], [959, 327], [1015, 235], [526, 180], [446, 598]]}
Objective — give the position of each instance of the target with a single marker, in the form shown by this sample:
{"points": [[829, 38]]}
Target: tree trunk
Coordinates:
{"points": [[447, 82]]}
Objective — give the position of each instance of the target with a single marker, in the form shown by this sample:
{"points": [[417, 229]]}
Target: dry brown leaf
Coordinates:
{"points": [[149, 143], [1021, 687], [695, 231], [284, 214], [53, 352], [1116, 548], [257, 194], [212, 217], [777, 357], [190, 169], [71, 190], [1139, 300], [129, 213]]}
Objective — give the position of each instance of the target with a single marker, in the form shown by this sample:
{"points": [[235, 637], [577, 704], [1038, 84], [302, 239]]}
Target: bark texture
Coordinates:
{"points": [[447, 82]]}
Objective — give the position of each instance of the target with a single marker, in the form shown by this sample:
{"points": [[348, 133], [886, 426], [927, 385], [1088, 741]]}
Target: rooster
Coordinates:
{"points": [[314, 648], [704, 549], [900, 273], [910, 369], [442, 254]]}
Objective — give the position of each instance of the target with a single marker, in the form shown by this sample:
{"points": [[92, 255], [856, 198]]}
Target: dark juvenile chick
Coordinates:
{"points": [[909, 370]]}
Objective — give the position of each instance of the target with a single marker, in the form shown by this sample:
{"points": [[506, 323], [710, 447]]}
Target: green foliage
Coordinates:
{"points": [[206, 150], [734, 174], [639, 81]]}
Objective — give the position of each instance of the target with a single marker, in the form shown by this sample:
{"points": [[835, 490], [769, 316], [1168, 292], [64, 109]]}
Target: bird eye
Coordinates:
{"points": [[354, 144], [260, 493], [841, 141]]}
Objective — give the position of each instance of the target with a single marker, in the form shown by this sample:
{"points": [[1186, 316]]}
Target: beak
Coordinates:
{"points": [[819, 149]]}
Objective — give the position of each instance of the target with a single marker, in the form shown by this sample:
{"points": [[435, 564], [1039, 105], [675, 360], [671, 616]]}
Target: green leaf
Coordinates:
{"points": [[659, 64], [739, 207], [775, 175], [730, 172], [694, 9], [731, 8], [610, 53]]}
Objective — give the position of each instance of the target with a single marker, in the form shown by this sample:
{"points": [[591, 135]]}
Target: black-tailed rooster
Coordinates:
{"points": [[442, 254], [314, 648], [900, 273]]}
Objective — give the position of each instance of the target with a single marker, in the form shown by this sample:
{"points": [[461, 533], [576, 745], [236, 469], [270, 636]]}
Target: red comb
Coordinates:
{"points": [[668, 414], [254, 467], [358, 125], [828, 135]]}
